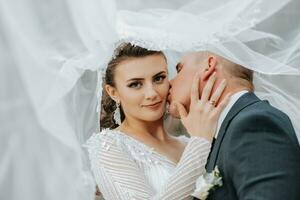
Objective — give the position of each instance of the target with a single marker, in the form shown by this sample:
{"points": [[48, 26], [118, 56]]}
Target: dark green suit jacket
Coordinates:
{"points": [[257, 153]]}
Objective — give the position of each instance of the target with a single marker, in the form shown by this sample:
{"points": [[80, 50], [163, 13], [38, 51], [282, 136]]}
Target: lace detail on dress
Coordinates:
{"points": [[141, 153]]}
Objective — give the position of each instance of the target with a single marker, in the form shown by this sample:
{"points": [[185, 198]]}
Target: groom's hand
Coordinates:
{"points": [[203, 113]]}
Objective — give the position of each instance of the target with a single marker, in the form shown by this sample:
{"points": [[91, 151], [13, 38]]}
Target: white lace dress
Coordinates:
{"points": [[126, 169]]}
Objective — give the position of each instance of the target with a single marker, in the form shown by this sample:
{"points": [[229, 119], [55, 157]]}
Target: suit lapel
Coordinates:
{"points": [[244, 101]]}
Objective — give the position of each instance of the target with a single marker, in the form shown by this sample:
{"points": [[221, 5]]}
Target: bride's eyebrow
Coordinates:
{"points": [[159, 73], [140, 79], [135, 79]]}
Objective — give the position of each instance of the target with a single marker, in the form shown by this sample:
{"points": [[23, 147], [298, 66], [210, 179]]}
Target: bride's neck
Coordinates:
{"points": [[142, 129]]}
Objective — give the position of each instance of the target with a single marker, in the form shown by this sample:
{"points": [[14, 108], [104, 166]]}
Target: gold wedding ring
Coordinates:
{"points": [[212, 102]]}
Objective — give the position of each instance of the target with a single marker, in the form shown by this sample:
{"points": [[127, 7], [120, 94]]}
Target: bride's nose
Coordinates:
{"points": [[150, 92]]}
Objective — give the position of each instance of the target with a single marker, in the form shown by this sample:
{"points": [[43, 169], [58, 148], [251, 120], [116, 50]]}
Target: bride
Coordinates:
{"points": [[138, 159]]}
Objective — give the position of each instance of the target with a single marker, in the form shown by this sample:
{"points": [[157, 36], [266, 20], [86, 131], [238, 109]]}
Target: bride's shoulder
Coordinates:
{"points": [[103, 134], [101, 142], [101, 139]]}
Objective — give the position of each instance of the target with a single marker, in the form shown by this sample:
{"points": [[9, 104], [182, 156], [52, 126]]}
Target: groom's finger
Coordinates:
{"points": [[195, 89], [181, 110], [208, 87]]}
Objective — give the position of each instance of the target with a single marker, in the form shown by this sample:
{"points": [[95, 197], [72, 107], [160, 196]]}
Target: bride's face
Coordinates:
{"points": [[142, 87]]}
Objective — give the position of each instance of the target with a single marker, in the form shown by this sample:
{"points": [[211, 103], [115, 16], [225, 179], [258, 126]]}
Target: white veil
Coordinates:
{"points": [[260, 35], [52, 56]]}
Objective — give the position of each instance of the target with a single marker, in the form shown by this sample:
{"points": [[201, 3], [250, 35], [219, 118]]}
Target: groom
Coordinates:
{"points": [[255, 146]]}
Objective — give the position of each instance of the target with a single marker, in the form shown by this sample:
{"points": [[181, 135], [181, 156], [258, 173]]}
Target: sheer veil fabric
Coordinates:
{"points": [[53, 55]]}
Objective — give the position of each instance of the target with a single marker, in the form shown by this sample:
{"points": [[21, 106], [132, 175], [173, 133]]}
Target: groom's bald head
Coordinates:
{"points": [[206, 63]]}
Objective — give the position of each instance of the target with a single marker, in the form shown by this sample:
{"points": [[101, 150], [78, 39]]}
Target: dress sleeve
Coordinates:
{"points": [[119, 177]]}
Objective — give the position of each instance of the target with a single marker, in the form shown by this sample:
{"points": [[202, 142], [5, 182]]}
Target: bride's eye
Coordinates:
{"points": [[135, 85], [159, 79]]}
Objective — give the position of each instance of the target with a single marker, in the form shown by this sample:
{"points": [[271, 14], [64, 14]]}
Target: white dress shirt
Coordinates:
{"points": [[232, 101]]}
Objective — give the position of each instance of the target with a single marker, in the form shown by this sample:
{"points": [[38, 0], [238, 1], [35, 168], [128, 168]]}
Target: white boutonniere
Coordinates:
{"points": [[207, 182]]}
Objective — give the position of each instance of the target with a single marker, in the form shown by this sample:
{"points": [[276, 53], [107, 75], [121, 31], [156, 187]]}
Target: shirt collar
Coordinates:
{"points": [[226, 110]]}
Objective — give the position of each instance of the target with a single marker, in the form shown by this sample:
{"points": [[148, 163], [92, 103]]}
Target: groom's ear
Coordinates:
{"points": [[210, 68]]}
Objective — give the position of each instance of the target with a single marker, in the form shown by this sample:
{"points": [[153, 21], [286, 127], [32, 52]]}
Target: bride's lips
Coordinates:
{"points": [[154, 105]]}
